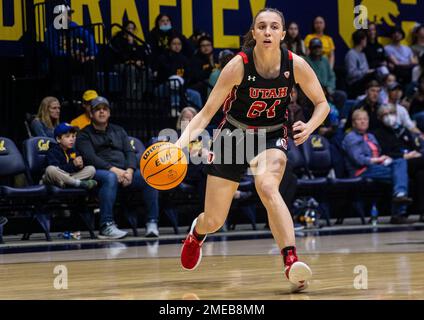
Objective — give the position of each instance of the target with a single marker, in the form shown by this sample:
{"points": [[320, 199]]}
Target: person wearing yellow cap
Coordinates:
{"points": [[84, 119]]}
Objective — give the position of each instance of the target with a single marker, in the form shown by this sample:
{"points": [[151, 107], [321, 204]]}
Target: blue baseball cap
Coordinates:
{"points": [[63, 128]]}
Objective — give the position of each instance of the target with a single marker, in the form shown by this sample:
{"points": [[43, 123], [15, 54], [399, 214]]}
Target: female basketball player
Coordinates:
{"points": [[254, 88]]}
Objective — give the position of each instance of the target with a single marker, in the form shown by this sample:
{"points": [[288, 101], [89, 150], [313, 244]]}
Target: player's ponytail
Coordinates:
{"points": [[248, 41]]}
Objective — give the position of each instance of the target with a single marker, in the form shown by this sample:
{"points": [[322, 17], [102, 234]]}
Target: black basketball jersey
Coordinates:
{"points": [[259, 102]]}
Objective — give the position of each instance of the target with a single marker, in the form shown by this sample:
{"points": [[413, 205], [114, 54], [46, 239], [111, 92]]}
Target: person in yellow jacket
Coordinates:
{"points": [[84, 119], [328, 46]]}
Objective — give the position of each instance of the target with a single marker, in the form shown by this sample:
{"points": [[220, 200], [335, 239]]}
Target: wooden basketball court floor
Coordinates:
{"points": [[387, 263]]}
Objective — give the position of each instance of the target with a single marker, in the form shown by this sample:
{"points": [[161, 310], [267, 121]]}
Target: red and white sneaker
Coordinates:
{"points": [[191, 252], [299, 275]]}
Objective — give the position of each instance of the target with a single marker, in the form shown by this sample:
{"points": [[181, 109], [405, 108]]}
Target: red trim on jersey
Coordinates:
{"points": [[218, 130], [290, 55], [229, 101], [244, 56]]}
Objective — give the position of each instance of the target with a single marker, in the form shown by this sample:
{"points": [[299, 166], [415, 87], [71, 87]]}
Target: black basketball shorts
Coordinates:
{"points": [[233, 149]]}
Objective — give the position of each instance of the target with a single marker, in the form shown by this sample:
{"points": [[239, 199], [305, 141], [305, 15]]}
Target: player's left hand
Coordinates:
{"points": [[301, 132]]}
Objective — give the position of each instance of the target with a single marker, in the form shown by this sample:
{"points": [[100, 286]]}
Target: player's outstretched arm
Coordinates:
{"points": [[308, 81], [230, 76]]}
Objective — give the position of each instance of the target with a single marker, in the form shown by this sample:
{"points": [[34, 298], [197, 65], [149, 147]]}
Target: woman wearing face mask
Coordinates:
{"points": [[397, 142], [160, 35]]}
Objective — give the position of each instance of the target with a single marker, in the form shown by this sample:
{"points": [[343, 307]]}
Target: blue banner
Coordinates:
{"points": [[226, 20]]}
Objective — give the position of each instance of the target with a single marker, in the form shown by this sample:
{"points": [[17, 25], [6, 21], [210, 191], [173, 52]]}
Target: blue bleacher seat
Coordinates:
{"points": [[29, 197]]}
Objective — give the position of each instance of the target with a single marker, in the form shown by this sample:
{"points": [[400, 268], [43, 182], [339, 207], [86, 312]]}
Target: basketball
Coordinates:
{"points": [[163, 165]]}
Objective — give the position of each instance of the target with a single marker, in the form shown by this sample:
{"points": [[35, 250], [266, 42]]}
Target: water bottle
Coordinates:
{"points": [[374, 214], [66, 235]]}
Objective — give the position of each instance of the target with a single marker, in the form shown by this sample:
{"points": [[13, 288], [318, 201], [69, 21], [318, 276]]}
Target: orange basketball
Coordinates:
{"points": [[163, 165]]}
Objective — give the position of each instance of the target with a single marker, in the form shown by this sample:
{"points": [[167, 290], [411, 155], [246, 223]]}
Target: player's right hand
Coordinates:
{"points": [[301, 132]]}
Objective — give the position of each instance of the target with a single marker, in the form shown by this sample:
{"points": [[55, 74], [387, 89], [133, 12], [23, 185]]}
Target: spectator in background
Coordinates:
{"points": [[324, 72], [159, 37], [418, 41], [194, 38], [203, 63], [321, 65], [388, 80], [74, 42], [85, 119], [358, 70], [106, 147], [399, 143], [3, 221], [370, 104], [402, 116], [331, 123], [364, 159], [332, 129], [293, 41], [172, 64], [295, 111], [130, 58], [47, 118], [127, 50], [374, 51], [224, 57], [328, 43], [65, 167], [416, 109], [401, 58], [418, 70]]}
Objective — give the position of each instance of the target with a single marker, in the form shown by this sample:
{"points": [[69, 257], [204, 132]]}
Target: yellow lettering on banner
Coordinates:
{"points": [[256, 6], [187, 17], [95, 16], [118, 9], [219, 38], [413, 2], [154, 9], [40, 19], [12, 33], [346, 16]]}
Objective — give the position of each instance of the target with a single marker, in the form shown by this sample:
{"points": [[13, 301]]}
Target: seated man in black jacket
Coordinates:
{"points": [[106, 147], [398, 142]]}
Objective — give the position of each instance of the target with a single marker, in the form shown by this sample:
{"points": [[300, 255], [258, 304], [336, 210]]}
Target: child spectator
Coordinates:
{"points": [[65, 167]]}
